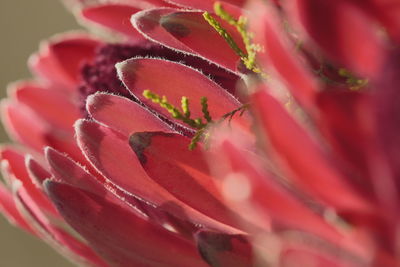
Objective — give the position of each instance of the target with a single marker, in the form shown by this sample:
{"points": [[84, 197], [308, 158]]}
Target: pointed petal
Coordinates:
{"points": [[188, 32], [113, 16], [37, 172], [184, 173], [18, 171], [339, 41], [26, 127], [30, 132], [138, 75], [112, 111], [262, 197], [134, 241], [206, 4], [110, 153], [343, 115], [303, 158], [59, 59], [281, 55], [47, 104], [9, 209], [54, 231]]}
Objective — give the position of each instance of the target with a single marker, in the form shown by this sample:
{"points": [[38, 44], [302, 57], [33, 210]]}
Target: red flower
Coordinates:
{"points": [[104, 172]]}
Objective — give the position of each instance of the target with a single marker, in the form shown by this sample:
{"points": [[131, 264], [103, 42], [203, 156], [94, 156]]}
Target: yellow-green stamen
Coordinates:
{"points": [[249, 57], [184, 114], [354, 82]]}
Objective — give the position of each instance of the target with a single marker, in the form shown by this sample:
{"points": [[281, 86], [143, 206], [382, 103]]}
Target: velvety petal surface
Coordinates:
{"points": [[110, 153], [59, 60], [184, 173], [122, 237], [54, 106], [123, 115], [339, 41], [138, 75], [189, 32], [301, 155], [113, 16]]}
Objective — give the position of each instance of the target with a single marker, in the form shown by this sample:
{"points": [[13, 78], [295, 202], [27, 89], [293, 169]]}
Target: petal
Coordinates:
{"points": [[47, 104], [184, 173], [339, 41], [120, 236], [59, 59], [18, 171], [138, 75], [280, 54], [113, 16], [36, 171], [53, 232], [29, 129], [110, 153], [342, 121], [9, 209], [188, 32], [206, 4], [219, 249], [300, 155], [30, 132], [388, 13], [263, 197], [112, 111]]}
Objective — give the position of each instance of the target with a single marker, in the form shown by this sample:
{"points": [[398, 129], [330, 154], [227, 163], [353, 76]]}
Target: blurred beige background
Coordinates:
{"points": [[23, 23]]}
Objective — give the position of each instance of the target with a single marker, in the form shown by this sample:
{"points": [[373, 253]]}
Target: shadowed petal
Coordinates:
{"points": [[300, 154], [189, 32], [120, 236], [123, 115]]}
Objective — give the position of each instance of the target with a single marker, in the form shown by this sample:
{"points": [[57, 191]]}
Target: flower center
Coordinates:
{"points": [[101, 76]]}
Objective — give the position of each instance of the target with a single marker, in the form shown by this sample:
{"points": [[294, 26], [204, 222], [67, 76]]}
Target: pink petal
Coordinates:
{"points": [[28, 128], [184, 173], [138, 75], [388, 13], [281, 55], [113, 16], [9, 209], [110, 153], [187, 31], [301, 255], [219, 249], [306, 161], [120, 236], [112, 111], [23, 125], [59, 60], [65, 170], [266, 199], [47, 104], [343, 115], [206, 4], [36, 171], [54, 234], [18, 171], [339, 41]]}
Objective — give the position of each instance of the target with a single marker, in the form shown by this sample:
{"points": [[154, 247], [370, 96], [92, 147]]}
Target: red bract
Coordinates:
{"points": [[295, 159]]}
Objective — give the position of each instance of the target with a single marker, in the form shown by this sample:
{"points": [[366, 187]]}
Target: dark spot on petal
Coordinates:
{"points": [[174, 27], [214, 246], [139, 142]]}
